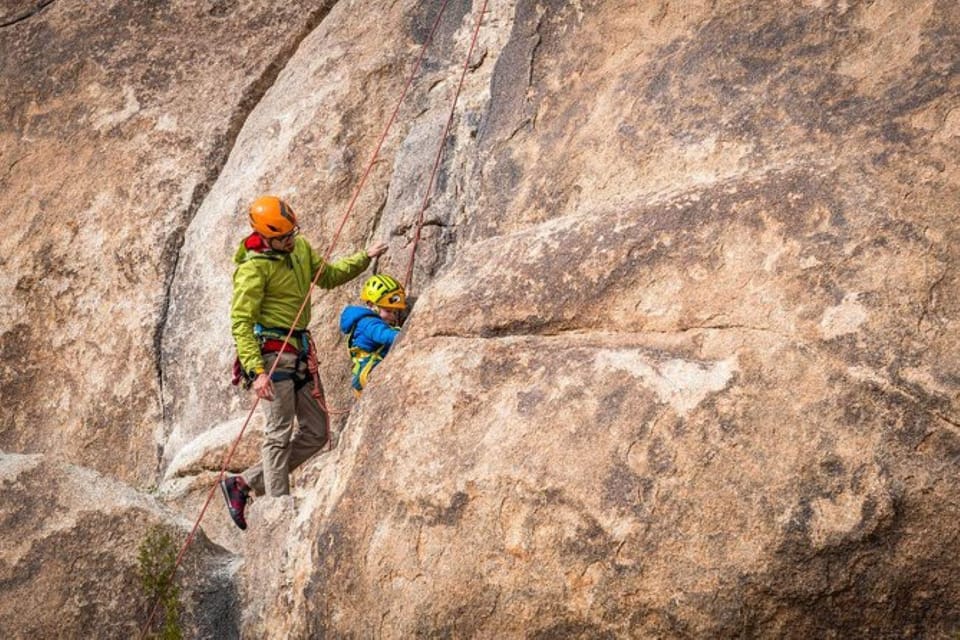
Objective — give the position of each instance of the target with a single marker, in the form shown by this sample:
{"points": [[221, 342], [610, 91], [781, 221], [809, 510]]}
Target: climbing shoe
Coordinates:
{"points": [[235, 492]]}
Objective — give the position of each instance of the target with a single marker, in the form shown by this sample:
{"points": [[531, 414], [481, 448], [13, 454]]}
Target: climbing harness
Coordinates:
{"points": [[271, 340], [312, 365], [363, 364]]}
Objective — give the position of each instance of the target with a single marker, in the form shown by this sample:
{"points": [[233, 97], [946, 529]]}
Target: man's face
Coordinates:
{"points": [[283, 243]]}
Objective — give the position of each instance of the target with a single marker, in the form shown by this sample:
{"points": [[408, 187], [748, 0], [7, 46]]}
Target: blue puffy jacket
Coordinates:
{"points": [[370, 340]]}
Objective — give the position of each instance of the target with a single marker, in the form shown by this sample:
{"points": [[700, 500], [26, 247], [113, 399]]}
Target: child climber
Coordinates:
{"points": [[371, 329]]}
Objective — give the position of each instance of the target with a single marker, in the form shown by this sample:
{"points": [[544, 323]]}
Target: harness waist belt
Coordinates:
{"points": [[272, 346]]}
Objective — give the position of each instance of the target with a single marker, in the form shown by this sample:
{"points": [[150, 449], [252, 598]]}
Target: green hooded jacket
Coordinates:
{"points": [[270, 286]]}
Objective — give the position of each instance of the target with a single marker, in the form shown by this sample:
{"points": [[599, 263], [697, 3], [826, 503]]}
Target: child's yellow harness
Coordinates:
{"points": [[363, 363]]}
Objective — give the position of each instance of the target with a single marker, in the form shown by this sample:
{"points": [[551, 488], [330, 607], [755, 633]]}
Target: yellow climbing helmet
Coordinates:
{"points": [[271, 217], [384, 291]]}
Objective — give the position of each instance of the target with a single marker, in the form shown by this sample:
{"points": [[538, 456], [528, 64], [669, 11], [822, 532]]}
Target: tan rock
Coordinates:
{"points": [[69, 562], [669, 395], [682, 359], [116, 119]]}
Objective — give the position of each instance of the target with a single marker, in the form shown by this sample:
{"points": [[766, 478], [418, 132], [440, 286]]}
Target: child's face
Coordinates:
{"points": [[390, 316]]}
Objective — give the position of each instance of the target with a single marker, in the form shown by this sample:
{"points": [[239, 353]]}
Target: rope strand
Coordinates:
{"points": [[443, 140]]}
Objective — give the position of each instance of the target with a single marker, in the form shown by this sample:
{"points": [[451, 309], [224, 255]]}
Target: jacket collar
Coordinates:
{"points": [[255, 242]]}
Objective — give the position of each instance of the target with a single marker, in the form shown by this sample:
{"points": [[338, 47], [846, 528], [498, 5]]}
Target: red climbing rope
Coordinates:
{"points": [[306, 300], [443, 140]]}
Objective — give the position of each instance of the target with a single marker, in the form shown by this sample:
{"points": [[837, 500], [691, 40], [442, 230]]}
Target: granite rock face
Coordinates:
{"points": [[690, 370], [683, 357], [69, 565], [117, 117]]}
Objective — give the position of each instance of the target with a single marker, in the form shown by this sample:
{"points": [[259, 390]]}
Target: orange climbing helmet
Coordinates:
{"points": [[271, 217], [384, 291]]}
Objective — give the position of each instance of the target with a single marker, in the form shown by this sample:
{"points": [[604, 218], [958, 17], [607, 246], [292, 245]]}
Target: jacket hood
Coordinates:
{"points": [[351, 315], [253, 245]]}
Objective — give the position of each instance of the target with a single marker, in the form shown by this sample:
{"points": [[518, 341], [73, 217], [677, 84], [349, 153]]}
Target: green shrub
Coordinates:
{"points": [[157, 557]]}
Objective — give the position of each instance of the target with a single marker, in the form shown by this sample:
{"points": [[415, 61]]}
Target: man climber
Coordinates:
{"points": [[275, 266]]}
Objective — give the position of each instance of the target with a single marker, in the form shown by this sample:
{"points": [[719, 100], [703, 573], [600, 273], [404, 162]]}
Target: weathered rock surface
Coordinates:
{"points": [[69, 561], [683, 362], [311, 140], [116, 118], [638, 481], [698, 381]]}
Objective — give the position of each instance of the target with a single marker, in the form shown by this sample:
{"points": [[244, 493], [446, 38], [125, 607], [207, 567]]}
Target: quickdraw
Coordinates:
{"points": [[313, 368]]}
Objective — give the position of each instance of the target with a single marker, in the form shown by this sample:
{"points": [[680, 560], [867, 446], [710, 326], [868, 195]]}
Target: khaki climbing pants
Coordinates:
{"points": [[284, 449]]}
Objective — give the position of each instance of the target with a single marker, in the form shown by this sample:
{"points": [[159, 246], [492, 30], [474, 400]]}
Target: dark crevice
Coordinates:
{"points": [[537, 41], [951, 421], [378, 214], [215, 161], [930, 300], [725, 327], [10, 167], [551, 329], [524, 124], [26, 14]]}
